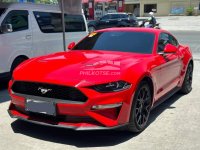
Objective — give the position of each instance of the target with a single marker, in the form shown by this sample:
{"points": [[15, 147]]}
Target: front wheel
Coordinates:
{"points": [[187, 83], [140, 108]]}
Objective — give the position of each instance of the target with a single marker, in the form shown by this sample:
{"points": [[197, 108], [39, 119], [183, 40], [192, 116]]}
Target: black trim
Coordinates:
{"points": [[120, 127], [165, 97]]}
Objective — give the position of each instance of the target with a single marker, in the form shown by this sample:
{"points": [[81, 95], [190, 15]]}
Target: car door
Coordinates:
{"points": [[104, 22], [169, 64], [115, 20], [124, 19], [19, 41]]}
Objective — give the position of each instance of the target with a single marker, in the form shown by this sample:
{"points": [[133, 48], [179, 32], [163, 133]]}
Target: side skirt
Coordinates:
{"points": [[165, 97]]}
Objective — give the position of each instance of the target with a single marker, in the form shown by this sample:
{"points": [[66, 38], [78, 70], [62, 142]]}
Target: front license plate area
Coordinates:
{"points": [[41, 107]]}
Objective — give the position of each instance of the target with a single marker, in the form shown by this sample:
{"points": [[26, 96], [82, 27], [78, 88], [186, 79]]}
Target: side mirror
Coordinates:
{"points": [[71, 45], [169, 48], [6, 28]]}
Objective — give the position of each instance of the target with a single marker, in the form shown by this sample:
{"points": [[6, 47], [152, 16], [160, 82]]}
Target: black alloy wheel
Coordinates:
{"points": [[187, 83], [141, 108]]}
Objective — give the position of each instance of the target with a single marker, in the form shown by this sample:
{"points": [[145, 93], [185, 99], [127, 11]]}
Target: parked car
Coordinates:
{"points": [[111, 79], [113, 20], [29, 30]]}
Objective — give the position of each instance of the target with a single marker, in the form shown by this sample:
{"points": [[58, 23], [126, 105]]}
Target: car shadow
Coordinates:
{"points": [[4, 96], [85, 138], [155, 113], [79, 139]]}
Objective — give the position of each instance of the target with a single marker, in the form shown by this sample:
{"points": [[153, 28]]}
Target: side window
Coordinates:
{"points": [[52, 22], [115, 16], [124, 16], [173, 41], [106, 17], [74, 23], [49, 22], [18, 19], [163, 41]]}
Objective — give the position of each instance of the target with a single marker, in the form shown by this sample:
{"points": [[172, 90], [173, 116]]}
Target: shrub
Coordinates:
{"points": [[190, 11]]}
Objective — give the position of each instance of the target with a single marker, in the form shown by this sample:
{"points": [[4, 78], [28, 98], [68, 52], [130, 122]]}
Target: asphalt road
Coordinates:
{"points": [[175, 124], [191, 38]]}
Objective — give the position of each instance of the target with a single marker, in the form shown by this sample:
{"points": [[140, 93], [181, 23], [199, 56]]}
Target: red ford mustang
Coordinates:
{"points": [[110, 79]]}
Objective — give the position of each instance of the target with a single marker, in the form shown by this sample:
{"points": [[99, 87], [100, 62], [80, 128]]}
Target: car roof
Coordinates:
{"points": [[30, 6], [129, 29]]}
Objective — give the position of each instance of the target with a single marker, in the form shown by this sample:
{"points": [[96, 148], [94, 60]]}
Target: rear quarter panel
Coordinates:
{"points": [[186, 59]]}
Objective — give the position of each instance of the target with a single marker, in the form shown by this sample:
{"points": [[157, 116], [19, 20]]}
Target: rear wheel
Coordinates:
{"points": [[187, 83], [141, 108]]}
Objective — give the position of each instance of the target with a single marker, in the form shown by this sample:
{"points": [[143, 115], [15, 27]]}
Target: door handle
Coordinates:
{"points": [[28, 37]]}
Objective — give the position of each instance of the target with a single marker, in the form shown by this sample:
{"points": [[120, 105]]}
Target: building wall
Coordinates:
{"points": [[164, 7]]}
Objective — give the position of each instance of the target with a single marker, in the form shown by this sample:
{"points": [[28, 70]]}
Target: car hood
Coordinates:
{"points": [[78, 68]]}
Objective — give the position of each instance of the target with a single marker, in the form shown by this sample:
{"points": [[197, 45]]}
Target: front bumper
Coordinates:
{"points": [[79, 116], [73, 126]]}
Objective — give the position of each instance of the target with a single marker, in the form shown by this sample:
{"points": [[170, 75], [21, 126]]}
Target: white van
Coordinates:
{"points": [[29, 30]]}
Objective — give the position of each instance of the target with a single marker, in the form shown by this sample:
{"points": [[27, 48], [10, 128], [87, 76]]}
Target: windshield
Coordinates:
{"points": [[137, 42], [2, 10]]}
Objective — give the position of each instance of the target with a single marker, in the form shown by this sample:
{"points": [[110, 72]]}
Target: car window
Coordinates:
{"points": [[124, 16], [52, 22], [106, 17], [74, 23], [18, 19], [173, 41], [124, 42], [165, 39], [115, 16], [132, 16]]}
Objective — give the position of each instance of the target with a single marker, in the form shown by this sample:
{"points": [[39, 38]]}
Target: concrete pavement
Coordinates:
{"points": [[191, 38], [179, 23]]}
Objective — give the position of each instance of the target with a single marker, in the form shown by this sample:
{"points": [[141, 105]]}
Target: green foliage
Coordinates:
{"points": [[190, 11]]}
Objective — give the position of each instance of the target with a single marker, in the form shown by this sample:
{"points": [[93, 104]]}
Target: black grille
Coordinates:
{"points": [[54, 91]]}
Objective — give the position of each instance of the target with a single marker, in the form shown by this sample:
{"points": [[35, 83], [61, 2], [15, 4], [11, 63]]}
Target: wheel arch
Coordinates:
{"points": [[190, 61], [149, 80], [17, 58]]}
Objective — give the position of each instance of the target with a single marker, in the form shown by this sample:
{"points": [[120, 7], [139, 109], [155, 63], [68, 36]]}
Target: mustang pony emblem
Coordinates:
{"points": [[43, 90]]}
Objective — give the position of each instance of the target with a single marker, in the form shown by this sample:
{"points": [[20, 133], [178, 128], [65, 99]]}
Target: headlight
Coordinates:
{"points": [[112, 87]]}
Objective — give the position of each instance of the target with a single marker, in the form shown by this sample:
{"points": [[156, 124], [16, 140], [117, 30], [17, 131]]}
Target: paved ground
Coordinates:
{"points": [[181, 23], [189, 23], [172, 125], [191, 38]]}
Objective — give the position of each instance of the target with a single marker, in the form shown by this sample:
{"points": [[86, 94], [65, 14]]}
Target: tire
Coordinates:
{"points": [[140, 108], [16, 63], [91, 29], [187, 83]]}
